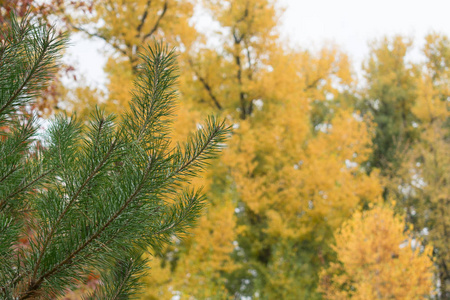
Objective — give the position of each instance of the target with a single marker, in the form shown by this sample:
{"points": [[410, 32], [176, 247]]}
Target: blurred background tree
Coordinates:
{"points": [[422, 185], [377, 259], [389, 96]]}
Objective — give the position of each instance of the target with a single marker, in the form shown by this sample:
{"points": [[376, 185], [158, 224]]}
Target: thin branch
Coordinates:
{"points": [[195, 157], [98, 36], [312, 84], [3, 202], [155, 27], [241, 93], [89, 254], [250, 65], [12, 282], [30, 75], [245, 15], [97, 139], [206, 86], [144, 17], [9, 173], [13, 150], [122, 284], [175, 224]]}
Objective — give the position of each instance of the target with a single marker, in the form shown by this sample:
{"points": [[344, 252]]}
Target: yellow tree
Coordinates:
{"points": [[126, 27], [377, 259], [424, 181], [226, 78], [273, 95], [296, 186]]}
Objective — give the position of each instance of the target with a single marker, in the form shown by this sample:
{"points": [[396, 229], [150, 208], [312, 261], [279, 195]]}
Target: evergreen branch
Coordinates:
{"points": [[80, 258], [13, 282], [35, 285], [21, 136], [133, 266], [15, 36], [126, 165], [123, 280], [25, 82], [153, 95], [68, 206], [199, 153], [9, 173], [46, 44], [189, 206], [97, 249], [209, 140], [101, 123], [31, 183], [122, 284]]}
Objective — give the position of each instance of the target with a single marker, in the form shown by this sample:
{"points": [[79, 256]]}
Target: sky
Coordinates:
{"points": [[350, 24]]}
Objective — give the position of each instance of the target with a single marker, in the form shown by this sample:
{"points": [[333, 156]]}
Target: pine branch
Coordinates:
{"points": [[38, 60], [183, 212], [209, 137], [23, 188], [98, 190], [9, 173], [35, 284], [123, 281], [49, 237]]}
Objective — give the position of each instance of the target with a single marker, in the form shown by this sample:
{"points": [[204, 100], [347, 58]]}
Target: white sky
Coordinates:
{"points": [[351, 24]]}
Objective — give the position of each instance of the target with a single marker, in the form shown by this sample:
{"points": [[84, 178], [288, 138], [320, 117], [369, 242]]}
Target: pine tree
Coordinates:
{"points": [[92, 198]]}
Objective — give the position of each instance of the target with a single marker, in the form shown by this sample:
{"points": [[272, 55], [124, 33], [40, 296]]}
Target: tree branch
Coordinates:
{"points": [[206, 86], [49, 238], [155, 27], [3, 202], [35, 285], [98, 36], [144, 17], [195, 157], [29, 76]]}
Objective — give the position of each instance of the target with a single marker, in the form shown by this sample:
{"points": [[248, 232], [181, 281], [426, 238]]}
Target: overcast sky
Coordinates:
{"points": [[311, 23], [352, 23]]}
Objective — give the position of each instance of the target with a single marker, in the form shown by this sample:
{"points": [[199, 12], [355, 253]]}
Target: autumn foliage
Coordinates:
{"points": [[377, 259]]}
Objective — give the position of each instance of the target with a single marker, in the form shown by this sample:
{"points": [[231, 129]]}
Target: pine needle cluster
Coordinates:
{"points": [[90, 197]]}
